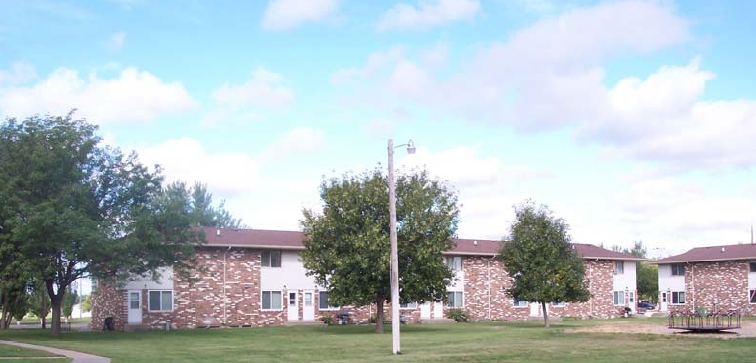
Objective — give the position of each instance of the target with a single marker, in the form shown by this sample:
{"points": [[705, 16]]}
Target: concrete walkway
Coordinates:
{"points": [[77, 357]]}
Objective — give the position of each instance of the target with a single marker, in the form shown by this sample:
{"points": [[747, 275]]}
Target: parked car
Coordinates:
{"points": [[646, 305]]}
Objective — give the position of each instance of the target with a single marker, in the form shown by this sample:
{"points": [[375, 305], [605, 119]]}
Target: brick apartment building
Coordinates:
{"points": [[717, 278], [253, 277]]}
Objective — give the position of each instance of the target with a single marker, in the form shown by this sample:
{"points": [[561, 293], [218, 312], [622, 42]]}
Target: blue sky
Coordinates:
{"points": [[632, 120]]}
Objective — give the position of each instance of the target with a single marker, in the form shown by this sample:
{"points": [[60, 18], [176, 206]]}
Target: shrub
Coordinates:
{"points": [[458, 315], [328, 320]]}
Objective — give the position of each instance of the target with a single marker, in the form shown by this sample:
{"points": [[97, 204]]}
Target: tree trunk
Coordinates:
{"points": [[379, 316], [55, 324], [545, 314], [6, 303], [56, 301]]}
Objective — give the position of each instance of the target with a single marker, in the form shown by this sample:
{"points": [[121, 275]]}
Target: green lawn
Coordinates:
{"points": [[471, 342], [16, 353]]}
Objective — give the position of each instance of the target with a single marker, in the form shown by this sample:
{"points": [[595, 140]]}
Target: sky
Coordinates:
{"points": [[632, 120]]}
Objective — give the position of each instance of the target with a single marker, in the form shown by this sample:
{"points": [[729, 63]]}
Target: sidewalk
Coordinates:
{"points": [[77, 357]]}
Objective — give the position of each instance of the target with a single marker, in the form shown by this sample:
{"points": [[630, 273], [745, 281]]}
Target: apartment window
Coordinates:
{"points": [[752, 266], [678, 297], [678, 269], [454, 299], [324, 304], [519, 303], [271, 300], [271, 258], [412, 305], [160, 300], [619, 298], [134, 300], [454, 263], [619, 267], [752, 296], [632, 296], [558, 304]]}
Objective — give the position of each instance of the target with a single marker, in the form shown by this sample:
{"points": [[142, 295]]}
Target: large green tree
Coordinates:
{"points": [[74, 208], [201, 208], [540, 259], [347, 243]]}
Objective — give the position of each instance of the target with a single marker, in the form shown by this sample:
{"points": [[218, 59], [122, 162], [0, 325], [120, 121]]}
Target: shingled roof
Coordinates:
{"points": [[714, 253], [292, 240]]}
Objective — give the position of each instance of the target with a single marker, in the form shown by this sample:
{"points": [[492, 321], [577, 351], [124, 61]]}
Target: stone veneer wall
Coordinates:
{"points": [[486, 283], [724, 282], [108, 301]]}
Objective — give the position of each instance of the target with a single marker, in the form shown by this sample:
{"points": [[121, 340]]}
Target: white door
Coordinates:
{"points": [[663, 302], [425, 310], [308, 310], [535, 309], [135, 307], [293, 310], [438, 310]]}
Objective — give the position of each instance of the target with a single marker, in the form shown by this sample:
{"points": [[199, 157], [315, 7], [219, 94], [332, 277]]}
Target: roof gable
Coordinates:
{"points": [[292, 240], [714, 253]]}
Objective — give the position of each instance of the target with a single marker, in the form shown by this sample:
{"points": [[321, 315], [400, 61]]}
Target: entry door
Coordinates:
{"points": [[293, 311], [425, 310], [308, 310], [535, 309], [135, 306], [438, 309], [663, 302]]}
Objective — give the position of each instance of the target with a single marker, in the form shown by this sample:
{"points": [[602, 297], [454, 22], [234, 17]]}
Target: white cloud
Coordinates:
{"points": [[131, 96], [690, 213], [187, 160], [266, 89], [301, 140], [662, 118], [117, 41], [427, 14], [20, 72], [287, 14]]}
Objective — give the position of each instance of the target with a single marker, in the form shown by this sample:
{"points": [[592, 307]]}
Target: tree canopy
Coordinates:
{"points": [[540, 259], [347, 243], [71, 207]]}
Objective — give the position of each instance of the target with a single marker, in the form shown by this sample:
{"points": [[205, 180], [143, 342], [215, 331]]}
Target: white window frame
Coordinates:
{"points": [[408, 306], [618, 297], [558, 304], [162, 304], [266, 258], [676, 296], [519, 303], [455, 299], [271, 300], [676, 271], [752, 266], [619, 267], [320, 302], [453, 262]]}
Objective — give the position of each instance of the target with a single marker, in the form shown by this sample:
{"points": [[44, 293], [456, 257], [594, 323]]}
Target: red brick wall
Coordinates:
{"points": [[724, 283], [108, 301], [486, 282], [202, 299]]}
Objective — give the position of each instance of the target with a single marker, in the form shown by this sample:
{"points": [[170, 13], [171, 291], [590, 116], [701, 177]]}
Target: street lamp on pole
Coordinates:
{"points": [[394, 251]]}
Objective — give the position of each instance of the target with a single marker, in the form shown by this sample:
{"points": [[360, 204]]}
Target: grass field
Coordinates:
{"points": [[471, 342], [17, 354]]}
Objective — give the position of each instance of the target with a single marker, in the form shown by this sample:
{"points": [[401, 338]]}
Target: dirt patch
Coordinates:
{"points": [[747, 329]]}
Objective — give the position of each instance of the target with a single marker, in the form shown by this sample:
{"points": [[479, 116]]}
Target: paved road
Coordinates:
{"points": [[77, 357]]}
